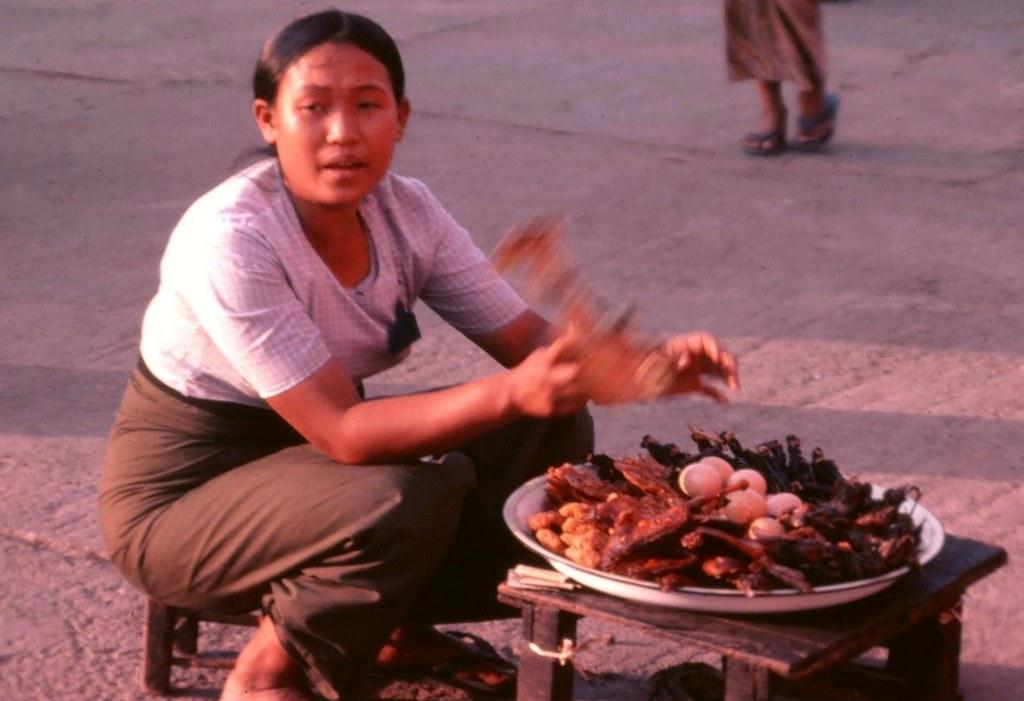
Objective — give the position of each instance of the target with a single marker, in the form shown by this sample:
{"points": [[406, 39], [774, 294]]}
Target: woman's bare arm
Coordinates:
{"points": [[327, 411], [511, 344]]}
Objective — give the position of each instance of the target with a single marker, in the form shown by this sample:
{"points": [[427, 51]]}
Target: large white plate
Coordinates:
{"points": [[530, 498]]}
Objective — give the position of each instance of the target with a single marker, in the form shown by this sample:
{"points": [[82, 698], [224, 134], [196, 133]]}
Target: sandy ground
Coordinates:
{"points": [[872, 294]]}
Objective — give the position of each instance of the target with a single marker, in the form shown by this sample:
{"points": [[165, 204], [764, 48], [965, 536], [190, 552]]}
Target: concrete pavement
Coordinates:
{"points": [[872, 294]]}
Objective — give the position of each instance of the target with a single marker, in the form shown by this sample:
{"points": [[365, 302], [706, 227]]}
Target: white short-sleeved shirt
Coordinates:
{"points": [[246, 309]]}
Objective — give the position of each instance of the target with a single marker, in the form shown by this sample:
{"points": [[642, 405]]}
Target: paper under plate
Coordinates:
{"points": [[531, 498]]}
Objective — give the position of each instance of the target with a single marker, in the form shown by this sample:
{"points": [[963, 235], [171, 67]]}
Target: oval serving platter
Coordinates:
{"points": [[530, 498]]}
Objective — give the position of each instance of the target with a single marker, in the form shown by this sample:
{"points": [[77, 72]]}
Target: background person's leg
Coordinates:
{"points": [[771, 135]]}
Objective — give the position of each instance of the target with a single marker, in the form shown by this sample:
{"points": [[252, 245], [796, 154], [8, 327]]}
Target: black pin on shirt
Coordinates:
{"points": [[403, 331]]}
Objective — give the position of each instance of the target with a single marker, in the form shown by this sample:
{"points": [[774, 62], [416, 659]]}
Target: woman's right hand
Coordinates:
{"points": [[549, 382]]}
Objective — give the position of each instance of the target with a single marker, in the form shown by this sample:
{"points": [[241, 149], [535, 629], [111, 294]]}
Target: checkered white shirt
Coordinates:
{"points": [[246, 309]]}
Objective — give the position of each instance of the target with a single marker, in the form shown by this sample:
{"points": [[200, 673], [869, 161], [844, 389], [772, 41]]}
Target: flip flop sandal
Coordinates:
{"points": [[808, 126], [491, 677], [480, 670], [764, 143]]}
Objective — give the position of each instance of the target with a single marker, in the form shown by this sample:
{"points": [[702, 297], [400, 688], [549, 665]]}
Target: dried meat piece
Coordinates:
{"points": [[677, 580], [569, 483], [634, 530], [643, 567], [668, 454], [723, 567], [640, 526], [648, 475], [609, 511], [787, 575]]}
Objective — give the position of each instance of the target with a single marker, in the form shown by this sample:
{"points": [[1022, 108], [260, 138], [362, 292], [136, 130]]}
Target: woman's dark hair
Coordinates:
{"points": [[286, 46]]}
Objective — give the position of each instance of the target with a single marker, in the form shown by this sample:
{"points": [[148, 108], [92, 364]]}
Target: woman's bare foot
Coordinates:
{"points": [[812, 102], [235, 691], [817, 120], [264, 671], [770, 138]]}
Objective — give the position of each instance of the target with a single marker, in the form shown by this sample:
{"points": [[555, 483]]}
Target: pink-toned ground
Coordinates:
{"points": [[872, 294]]}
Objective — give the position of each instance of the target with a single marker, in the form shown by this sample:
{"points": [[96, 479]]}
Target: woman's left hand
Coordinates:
{"points": [[699, 357]]}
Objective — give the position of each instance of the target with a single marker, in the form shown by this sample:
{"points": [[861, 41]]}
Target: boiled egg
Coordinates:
{"points": [[765, 527], [753, 479], [700, 480], [720, 464], [744, 506], [782, 502]]}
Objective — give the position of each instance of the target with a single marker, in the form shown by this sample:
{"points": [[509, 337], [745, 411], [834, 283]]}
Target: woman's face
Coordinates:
{"points": [[335, 123]]}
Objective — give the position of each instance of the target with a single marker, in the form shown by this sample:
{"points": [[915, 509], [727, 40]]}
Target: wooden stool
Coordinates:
{"points": [[917, 620], [170, 637]]}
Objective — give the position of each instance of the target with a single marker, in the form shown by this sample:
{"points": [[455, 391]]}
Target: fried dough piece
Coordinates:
{"points": [[545, 520], [550, 540]]}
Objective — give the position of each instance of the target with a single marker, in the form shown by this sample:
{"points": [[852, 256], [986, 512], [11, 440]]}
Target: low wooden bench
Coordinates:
{"points": [[917, 620], [170, 638]]}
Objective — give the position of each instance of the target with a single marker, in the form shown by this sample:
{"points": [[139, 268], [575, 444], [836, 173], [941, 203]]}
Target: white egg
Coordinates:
{"points": [[720, 464], [765, 527], [744, 506], [753, 479], [700, 480], [782, 502]]}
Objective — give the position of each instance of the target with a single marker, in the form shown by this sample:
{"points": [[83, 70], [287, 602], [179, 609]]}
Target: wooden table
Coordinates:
{"points": [[917, 620]]}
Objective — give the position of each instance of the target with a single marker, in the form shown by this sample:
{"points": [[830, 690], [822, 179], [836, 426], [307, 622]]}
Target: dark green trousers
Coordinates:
{"points": [[211, 509]]}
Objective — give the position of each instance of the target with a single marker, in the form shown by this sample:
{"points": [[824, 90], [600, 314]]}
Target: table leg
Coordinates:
{"points": [[746, 682], [928, 656], [543, 677]]}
